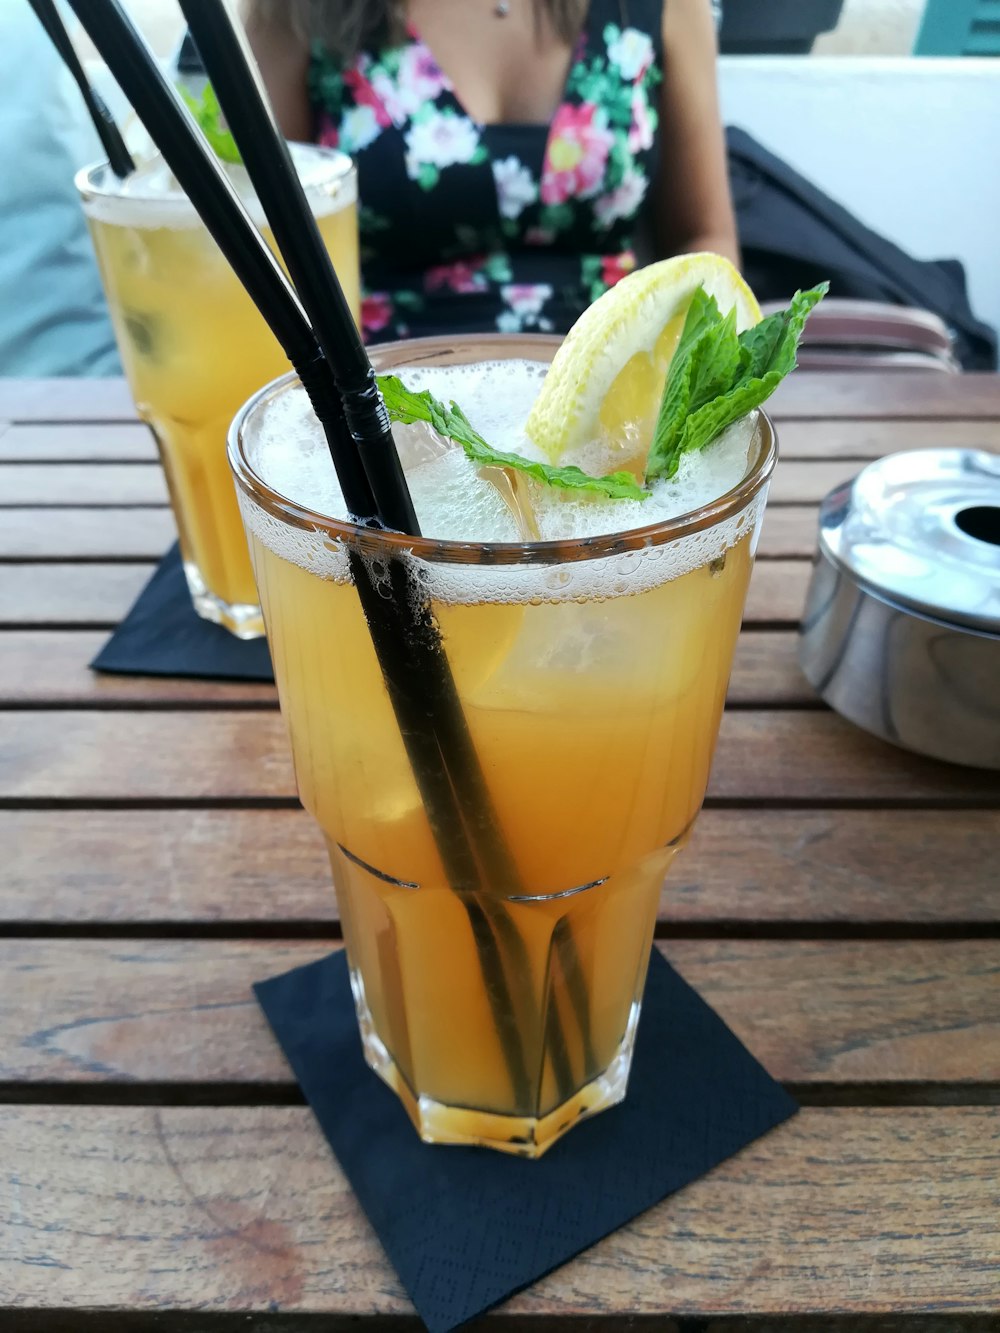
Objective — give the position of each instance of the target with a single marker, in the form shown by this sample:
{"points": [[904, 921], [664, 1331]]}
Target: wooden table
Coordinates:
{"points": [[839, 905]]}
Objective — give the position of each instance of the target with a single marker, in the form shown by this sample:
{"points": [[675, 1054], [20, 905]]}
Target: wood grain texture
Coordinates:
{"points": [[777, 592], [66, 594], [163, 866], [765, 868], [182, 1012], [82, 484], [766, 671], [922, 867], [789, 530], [852, 1212], [94, 534], [141, 483], [66, 400], [807, 482], [761, 756], [70, 484], [51, 667], [831, 394], [919, 394], [70, 594], [867, 439], [144, 534], [71, 442]]}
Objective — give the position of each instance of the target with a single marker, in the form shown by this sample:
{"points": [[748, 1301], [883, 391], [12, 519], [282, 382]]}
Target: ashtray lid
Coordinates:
{"points": [[923, 528]]}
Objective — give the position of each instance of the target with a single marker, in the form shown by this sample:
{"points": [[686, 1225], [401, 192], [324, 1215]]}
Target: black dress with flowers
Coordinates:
{"points": [[468, 228]]}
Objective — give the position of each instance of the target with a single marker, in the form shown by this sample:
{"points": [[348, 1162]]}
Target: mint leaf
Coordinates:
{"points": [[718, 364], [208, 115], [703, 314], [761, 341], [702, 319], [406, 407], [710, 387], [793, 320]]}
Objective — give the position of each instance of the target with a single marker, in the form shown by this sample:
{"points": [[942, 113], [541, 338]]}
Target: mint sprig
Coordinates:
{"points": [[406, 407], [717, 376], [208, 115]]}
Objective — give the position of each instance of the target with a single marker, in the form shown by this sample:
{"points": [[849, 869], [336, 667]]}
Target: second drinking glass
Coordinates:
{"points": [[194, 348]]}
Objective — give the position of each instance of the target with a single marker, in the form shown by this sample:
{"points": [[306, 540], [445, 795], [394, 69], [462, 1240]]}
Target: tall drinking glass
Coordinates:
{"points": [[592, 674], [194, 347]]}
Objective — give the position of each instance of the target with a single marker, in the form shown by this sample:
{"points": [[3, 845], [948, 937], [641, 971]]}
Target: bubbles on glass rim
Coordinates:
{"points": [[151, 198], [286, 447]]}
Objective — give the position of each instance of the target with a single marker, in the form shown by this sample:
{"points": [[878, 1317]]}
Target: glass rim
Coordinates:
{"points": [[86, 185], [381, 542]]}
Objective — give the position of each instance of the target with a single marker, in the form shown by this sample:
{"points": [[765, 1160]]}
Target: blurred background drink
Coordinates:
{"points": [[592, 673], [194, 347]]}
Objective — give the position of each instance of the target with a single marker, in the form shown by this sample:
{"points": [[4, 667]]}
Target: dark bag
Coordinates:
{"points": [[793, 235]]}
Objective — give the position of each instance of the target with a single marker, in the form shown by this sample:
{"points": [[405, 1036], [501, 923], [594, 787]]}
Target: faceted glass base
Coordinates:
{"points": [[525, 1136], [244, 620]]}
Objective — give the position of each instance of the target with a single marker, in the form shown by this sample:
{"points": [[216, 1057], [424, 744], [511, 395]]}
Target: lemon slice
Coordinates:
{"points": [[599, 401]]}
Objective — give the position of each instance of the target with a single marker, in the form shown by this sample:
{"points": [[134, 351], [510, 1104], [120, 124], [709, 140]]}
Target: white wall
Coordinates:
{"points": [[911, 147]]}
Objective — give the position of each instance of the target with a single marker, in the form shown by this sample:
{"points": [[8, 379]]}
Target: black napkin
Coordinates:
{"points": [[163, 635], [466, 1227]]}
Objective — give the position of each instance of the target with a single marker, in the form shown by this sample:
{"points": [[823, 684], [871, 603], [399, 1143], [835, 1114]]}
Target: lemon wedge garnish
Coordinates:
{"points": [[600, 398]]}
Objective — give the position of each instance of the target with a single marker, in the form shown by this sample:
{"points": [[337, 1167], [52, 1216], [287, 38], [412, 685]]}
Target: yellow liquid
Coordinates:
{"points": [[594, 723], [194, 350]]}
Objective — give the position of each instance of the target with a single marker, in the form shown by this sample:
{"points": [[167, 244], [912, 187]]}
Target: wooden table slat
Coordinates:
{"points": [[830, 394], [76, 484], [98, 594], [796, 481], [824, 441], [752, 868], [182, 1012], [69, 594], [761, 756], [51, 667], [90, 534], [820, 440], [908, 394], [849, 1212], [75, 442], [66, 400], [34, 533]]}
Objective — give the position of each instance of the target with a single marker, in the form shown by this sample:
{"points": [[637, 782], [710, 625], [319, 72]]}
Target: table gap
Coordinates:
{"points": [[226, 1094], [329, 929]]}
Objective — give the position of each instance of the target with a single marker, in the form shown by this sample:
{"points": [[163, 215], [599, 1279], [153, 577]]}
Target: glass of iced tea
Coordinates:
{"points": [[194, 347], [591, 666]]}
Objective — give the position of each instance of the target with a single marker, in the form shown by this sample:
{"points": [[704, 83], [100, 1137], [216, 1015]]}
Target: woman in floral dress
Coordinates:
{"points": [[512, 154]]}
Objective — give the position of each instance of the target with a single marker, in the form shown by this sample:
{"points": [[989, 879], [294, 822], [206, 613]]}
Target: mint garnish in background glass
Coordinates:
{"points": [[208, 115]]}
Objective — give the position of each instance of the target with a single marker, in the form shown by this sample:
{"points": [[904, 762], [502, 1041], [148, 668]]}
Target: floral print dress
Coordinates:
{"points": [[468, 228]]}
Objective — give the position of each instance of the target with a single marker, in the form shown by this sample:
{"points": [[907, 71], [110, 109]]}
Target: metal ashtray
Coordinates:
{"points": [[901, 632]]}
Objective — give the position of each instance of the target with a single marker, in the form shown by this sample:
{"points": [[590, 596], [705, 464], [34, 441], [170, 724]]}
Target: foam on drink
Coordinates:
{"points": [[287, 450], [150, 198]]}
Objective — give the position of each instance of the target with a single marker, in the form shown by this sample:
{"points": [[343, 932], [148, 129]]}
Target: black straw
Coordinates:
{"points": [[119, 158], [230, 68]]}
